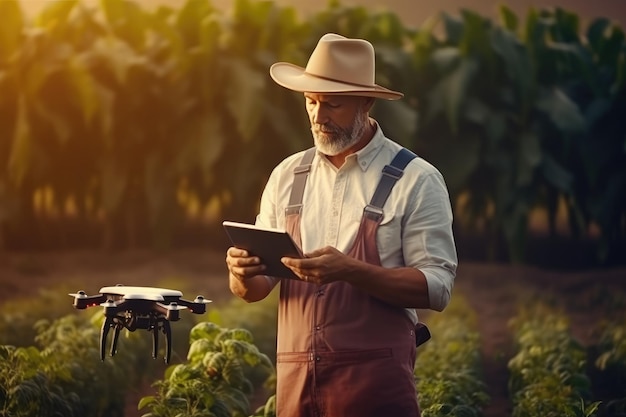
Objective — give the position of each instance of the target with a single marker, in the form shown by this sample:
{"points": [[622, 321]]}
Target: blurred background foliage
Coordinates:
{"points": [[125, 127]]}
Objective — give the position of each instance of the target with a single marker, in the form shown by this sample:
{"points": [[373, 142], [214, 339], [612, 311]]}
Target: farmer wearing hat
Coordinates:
{"points": [[375, 224]]}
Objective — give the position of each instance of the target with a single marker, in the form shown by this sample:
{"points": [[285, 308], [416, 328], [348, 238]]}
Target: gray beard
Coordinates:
{"points": [[335, 140]]}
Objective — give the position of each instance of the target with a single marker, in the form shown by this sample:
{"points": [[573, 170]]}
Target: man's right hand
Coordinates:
{"points": [[245, 275], [241, 265]]}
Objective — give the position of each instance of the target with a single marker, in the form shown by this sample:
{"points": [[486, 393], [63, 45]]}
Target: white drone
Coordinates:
{"points": [[135, 308]]}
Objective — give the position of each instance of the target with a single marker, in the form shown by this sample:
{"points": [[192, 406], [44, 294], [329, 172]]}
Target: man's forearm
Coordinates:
{"points": [[402, 287], [250, 289]]}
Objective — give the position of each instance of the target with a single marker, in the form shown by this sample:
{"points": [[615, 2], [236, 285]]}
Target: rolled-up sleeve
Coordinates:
{"points": [[428, 241]]}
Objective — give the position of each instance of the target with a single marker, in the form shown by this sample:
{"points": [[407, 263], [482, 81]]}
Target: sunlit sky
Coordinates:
{"points": [[414, 12]]}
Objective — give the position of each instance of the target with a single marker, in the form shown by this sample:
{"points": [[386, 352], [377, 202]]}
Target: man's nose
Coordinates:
{"points": [[318, 115]]}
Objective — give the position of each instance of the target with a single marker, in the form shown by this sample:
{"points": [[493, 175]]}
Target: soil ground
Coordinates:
{"points": [[495, 291]]}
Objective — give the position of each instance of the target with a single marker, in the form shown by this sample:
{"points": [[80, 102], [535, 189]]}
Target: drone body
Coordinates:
{"points": [[135, 308]]}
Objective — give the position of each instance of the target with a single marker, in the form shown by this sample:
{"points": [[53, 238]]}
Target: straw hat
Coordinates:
{"points": [[338, 65]]}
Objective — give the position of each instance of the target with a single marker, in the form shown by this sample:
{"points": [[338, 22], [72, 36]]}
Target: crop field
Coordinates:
{"points": [[516, 341]]}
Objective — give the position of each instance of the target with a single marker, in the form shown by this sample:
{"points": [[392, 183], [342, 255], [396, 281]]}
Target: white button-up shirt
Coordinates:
{"points": [[416, 229]]}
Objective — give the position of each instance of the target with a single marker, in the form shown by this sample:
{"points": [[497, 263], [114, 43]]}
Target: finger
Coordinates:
{"points": [[237, 252], [243, 272]]}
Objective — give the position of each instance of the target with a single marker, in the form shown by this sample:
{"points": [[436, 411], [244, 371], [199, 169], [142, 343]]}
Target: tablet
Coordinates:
{"points": [[268, 244]]}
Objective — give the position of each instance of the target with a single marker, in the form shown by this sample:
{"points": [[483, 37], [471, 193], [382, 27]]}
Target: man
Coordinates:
{"points": [[346, 329]]}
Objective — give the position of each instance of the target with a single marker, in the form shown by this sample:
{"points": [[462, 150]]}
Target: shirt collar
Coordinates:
{"points": [[366, 155]]}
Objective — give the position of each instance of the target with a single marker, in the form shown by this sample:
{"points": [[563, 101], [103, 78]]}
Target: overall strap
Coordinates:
{"points": [[301, 173], [391, 173]]}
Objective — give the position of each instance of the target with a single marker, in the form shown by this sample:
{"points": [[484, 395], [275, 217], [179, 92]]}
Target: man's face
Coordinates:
{"points": [[337, 122]]}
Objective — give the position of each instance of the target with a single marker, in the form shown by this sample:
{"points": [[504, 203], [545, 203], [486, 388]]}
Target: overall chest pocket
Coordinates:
{"points": [[389, 233]]}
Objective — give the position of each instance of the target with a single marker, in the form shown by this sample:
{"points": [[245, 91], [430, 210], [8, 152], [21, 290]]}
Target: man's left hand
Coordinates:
{"points": [[322, 266]]}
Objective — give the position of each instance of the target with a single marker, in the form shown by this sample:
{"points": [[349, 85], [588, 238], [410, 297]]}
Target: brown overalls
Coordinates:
{"points": [[342, 352]]}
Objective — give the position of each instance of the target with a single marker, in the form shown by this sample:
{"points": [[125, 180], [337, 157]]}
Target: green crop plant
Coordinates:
{"points": [[222, 371], [29, 386], [610, 361], [448, 368], [548, 373], [63, 374]]}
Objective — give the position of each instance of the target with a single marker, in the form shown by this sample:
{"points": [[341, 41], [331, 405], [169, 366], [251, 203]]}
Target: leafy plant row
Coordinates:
{"points": [[448, 372], [63, 376], [548, 373], [223, 370], [448, 369], [121, 125], [610, 364]]}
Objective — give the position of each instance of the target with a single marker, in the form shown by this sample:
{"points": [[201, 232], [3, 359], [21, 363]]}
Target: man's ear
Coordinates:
{"points": [[369, 103]]}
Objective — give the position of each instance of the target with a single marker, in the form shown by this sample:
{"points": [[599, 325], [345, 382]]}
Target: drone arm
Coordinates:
{"points": [[198, 306], [82, 301], [169, 311]]}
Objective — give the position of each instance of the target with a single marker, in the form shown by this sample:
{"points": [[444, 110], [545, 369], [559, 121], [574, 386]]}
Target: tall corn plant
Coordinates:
{"points": [[590, 67], [497, 118], [257, 122], [116, 107]]}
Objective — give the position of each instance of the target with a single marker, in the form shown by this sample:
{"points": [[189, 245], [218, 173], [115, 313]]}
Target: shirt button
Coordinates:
{"points": [[317, 327], [317, 358]]}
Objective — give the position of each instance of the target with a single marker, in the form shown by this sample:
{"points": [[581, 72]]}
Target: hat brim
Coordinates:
{"points": [[296, 78]]}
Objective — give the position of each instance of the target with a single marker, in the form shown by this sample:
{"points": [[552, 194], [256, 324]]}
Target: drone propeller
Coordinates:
{"points": [[79, 294], [82, 300], [201, 300]]}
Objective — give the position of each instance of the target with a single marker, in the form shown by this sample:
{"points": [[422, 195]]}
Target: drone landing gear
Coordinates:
{"points": [[148, 319]]}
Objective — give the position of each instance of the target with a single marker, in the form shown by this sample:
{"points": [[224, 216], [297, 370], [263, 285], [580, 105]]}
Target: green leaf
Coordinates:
{"points": [[508, 17], [529, 157], [50, 114], [10, 29], [446, 58], [244, 97], [127, 20], [475, 34], [198, 349], [556, 174], [21, 148], [517, 65], [400, 120], [83, 85], [116, 56], [596, 32], [453, 28], [202, 145], [55, 13], [207, 329], [146, 401], [561, 110], [457, 85], [113, 183], [190, 17]]}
